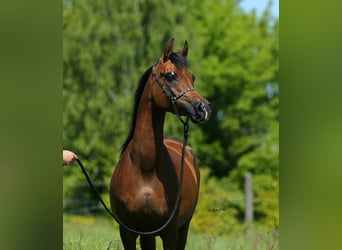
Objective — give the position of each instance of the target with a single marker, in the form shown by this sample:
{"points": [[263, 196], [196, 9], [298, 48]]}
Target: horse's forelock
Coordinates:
{"points": [[178, 60]]}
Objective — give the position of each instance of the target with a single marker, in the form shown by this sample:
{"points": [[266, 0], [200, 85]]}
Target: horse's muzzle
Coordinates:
{"points": [[202, 111]]}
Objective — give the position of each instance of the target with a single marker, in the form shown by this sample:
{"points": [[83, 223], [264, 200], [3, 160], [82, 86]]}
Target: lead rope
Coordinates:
{"points": [[175, 208]]}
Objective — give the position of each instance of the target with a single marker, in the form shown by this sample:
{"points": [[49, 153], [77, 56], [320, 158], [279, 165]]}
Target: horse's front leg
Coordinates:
{"points": [[182, 235], [170, 239], [147, 243], [128, 239]]}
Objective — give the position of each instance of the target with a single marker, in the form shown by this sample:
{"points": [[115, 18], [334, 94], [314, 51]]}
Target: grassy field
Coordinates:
{"points": [[97, 233]]}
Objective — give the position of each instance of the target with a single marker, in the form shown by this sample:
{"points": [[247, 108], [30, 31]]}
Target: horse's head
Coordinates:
{"points": [[176, 92]]}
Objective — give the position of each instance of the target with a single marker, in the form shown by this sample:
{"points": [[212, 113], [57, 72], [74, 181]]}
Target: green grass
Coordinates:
{"points": [[99, 233]]}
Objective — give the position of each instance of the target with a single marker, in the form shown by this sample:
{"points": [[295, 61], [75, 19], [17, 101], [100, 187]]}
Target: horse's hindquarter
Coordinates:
{"points": [[191, 181]]}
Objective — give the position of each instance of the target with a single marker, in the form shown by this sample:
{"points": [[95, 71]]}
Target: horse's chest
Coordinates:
{"points": [[147, 199]]}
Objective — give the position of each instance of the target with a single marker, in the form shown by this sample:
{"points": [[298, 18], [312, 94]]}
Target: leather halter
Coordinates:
{"points": [[166, 87]]}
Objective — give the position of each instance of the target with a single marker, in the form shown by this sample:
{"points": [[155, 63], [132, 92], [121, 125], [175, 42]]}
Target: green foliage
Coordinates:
{"points": [[219, 207], [266, 192], [222, 203], [108, 45]]}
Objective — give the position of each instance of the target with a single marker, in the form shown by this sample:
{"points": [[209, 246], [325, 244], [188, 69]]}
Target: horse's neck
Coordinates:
{"points": [[147, 142]]}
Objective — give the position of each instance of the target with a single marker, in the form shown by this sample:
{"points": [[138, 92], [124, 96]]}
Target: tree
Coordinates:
{"points": [[239, 68], [240, 71], [97, 63]]}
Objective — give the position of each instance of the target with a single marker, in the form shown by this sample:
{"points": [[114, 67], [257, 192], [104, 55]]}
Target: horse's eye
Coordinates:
{"points": [[170, 77]]}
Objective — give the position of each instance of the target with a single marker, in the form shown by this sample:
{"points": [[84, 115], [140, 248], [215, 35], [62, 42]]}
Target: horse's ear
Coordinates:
{"points": [[184, 51], [168, 49]]}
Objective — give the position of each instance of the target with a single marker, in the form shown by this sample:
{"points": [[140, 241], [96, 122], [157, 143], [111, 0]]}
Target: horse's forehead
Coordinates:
{"points": [[168, 66]]}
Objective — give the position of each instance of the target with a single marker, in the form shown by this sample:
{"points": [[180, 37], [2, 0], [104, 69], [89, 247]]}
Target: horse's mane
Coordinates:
{"points": [[138, 93], [176, 59]]}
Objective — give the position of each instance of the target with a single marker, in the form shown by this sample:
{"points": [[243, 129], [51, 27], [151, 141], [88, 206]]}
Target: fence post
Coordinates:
{"points": [[248, 200]]}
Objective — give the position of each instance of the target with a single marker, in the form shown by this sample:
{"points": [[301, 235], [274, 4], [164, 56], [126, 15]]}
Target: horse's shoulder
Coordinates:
{"points": [[176, 145]]}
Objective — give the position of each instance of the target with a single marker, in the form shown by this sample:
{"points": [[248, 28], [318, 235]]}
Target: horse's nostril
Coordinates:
{"points": [[204, 107], [200, 106]]}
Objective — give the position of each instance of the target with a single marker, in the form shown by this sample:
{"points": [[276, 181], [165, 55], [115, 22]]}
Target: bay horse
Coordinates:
{"points": [[145, 182]]}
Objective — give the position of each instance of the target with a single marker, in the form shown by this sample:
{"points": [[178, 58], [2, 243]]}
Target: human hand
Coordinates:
{"points": [[68, 157]]}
